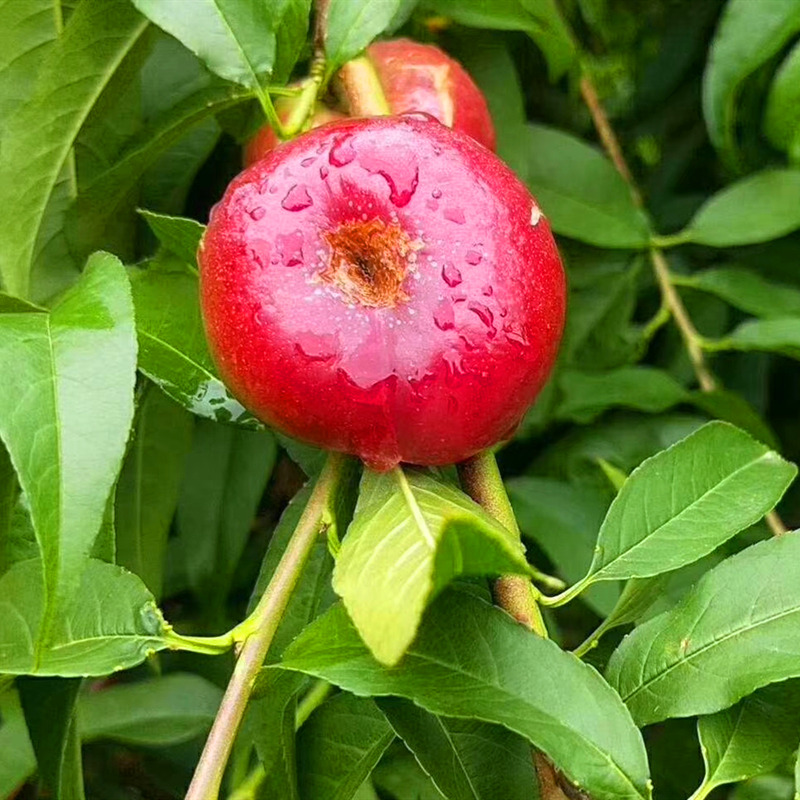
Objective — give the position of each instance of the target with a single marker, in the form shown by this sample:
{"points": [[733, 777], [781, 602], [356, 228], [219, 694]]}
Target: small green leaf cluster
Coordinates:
{"points": [[144, 511]]}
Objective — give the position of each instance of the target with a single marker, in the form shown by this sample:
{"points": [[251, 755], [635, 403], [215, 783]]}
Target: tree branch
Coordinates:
{"points": [[260, 628]]}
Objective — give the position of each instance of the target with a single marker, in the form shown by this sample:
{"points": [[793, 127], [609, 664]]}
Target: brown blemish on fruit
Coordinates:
{"points": [[369, 262]]}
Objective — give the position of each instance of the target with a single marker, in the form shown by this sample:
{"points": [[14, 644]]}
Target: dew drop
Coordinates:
{"points": [[443, 317], [257, 213], [436, 194], [515, 336], [307, 162], [290, 248], [400, 171], [323, 171], [473, 258], [342, 152], [484, 314], [451, 274], [455, 215], [297, 198], [487, 290], [316, 347]]}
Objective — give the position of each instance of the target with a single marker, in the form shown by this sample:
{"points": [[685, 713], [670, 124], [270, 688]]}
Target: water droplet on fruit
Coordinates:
{"points": [[443, 317], [323, 171], [455, 215], [484, 314], [290, 248], [473, 258], [451, 274], [487, 290], [401, 175], [515, 336], [342, 152], [297, 198], [257, 213], [317, 347], [436, 194], [307, 162]]}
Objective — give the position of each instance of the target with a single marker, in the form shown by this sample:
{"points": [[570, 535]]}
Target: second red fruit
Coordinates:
{"points": [[413, 77]]}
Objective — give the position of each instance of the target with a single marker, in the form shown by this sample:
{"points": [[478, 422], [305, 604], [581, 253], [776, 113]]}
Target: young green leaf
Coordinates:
{"points": [[65, 414], [472, 660], [339, 746], [735, 631], [352, 25], [49, 707], [540, 19], [155, 712], [280, 777], [226, 472], [782, 113], [234, 38], [172, 346], [466, 759], [563, 519], [684, 502], [751, 738], [766, 787], [179, 235], [110, 623], [746, 290], [769, 335], [580, 192], [587, 395], [147, 490], [758, 208], [748, 35], [411, 536], [98, 36], [400, 777]]}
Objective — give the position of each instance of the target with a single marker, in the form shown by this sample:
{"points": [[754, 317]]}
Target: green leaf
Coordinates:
{"points": [[782, 113], [540, 19], [758, 208], [746, 290], [155, 712], [281, 774], [684, 502], [338, 747], [472, 660], [749, 34], [735, 632], [580, 192], [352, 25], [563, 520], [226, 472], [147, 490], [19, 760], [97, 207], [467, 759], [400, 777], [587, 395], [768, 787], [110, 623], [179, 235], [172, 346], [9, 491], [49, 707], [234, 38], [411, 536], [99, 34], [65, 413], [732, 407], [753, 737], [770, 335]]}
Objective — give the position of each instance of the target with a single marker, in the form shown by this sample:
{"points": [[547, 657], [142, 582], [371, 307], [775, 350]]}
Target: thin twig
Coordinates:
{"points": [[262, 624], [669, 294]]}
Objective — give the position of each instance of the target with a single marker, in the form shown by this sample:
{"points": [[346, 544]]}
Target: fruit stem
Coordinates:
{"points": [[262, 624], [362, 90], [482, 481], [669, 294]]}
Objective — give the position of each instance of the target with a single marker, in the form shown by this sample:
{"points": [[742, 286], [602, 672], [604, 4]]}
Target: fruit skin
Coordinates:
{"points": [[414, 77], [430, 370], [421, 77], [266, 139]]}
